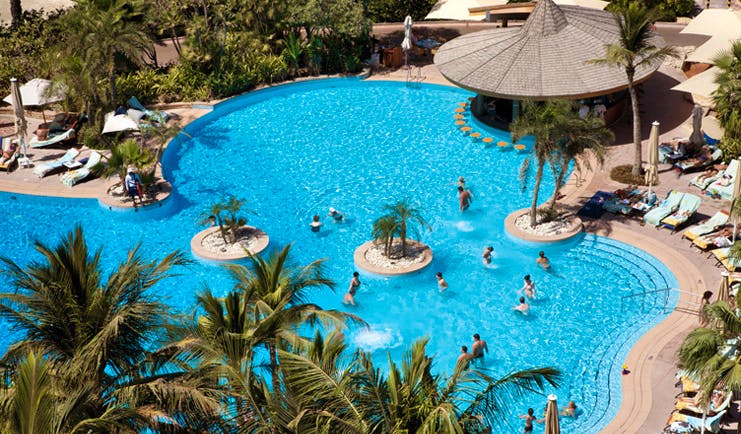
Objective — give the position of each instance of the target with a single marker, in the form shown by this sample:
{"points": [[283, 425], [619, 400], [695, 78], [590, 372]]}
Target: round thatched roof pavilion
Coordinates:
{"points": [[548, 57]]}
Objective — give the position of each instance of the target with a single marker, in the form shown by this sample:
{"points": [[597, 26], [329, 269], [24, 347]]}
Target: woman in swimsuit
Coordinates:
{"points": [[528, 287]]}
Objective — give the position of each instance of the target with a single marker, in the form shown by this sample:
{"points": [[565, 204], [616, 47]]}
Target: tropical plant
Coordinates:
{"points": [[711, 353], [727, 99], [292, 53], [401, 219], [667, 10], [635, 50], [335, 394], [106, 328], [125, 155], [226, 215]]}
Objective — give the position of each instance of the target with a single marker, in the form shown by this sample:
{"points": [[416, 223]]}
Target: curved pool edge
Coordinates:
{"points": [[637, 392]]}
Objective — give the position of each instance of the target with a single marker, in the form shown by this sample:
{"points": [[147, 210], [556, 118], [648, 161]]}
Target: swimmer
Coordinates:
{"points": [[464, 357], [529, 418], [315, 224], [442, 285], [464, 198], [569, 410], [543, 261], [478, 347], [461, 182], [528, 287], [354, 285], [522, 307], [487, 254], [337, 216]]}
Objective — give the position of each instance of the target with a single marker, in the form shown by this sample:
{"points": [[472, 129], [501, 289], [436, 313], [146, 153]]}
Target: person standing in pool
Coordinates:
{"points": [[442, 284], [529, 418], [315, 224], [464, 198], [354, 285], [523, 307], [479, 347], [528, 287], [487, 254], [337, 216], [464, 356], [543, 261]]}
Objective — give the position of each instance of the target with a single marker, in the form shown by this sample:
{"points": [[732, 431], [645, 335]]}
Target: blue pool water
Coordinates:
{"points": [[294, 151]]}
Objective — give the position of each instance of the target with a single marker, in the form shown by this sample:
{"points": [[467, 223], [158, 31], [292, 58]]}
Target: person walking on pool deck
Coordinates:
{"points": [[479, 347], [464, 198], [133, 185], [354, 285], [442, 284], [543, 261]]}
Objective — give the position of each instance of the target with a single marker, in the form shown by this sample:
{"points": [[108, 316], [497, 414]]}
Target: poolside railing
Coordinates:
{"points": [[664, 291]]}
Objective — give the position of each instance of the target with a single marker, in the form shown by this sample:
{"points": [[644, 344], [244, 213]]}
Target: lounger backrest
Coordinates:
{"points": [[92, 160], [732, 168], [690, 203], [673, 200], [717, 155], [69, 155], [724, 405]]}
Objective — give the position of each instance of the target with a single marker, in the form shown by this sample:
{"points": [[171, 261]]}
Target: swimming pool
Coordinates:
{"points": [[294, 151]]}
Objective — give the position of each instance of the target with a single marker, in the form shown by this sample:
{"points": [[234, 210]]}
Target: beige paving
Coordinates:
{"points": [[648, 391]]}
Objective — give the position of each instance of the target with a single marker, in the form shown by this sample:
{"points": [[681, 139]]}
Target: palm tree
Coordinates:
{"points": [[276, 294], [99, 33], [226, 215], [358, 398], [127, 153], [710, 353], [635, 50], [400, 220], [105, 328], [586, 137], [16, 13], [727, 98]]}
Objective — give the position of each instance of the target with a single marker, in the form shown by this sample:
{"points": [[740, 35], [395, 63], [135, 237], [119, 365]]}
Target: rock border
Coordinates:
{"points": [[107, 201], [198, 250], [509, 225], [363, 263]]}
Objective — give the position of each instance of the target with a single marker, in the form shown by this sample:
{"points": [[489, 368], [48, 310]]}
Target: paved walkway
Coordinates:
{"points": [[648, 409]]}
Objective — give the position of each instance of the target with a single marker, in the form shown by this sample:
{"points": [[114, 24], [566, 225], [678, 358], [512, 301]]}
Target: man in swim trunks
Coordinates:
{"points": [[522, 307], [465, 356], [464, 198], [529, 418], [543, 261], [315, 224], [478, 347]]}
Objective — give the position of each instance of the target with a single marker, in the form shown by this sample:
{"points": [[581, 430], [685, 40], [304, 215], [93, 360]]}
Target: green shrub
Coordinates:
{"points": [[668, 10], [623, 174], [145, 84], [547, 214], [89, 135]]}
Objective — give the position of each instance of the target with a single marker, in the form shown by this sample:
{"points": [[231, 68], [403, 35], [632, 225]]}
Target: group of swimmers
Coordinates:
{"points": [[478, 348], [316, 223], [528, 288], [568, 411]]}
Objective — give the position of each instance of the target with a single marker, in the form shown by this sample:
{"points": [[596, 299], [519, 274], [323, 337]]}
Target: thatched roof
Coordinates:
{"points": [[547, 57]]}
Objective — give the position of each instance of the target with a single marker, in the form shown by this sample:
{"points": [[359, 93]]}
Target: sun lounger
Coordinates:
{"points": [[690, 405], [711, 424], [723, 186], [43, 169], [692, 165], [74, 176], [622, 204], [702, 184], [67, 135], [706, 227], [154, 115], [10, 162], [722, 257], [666, 207], [687, 208]]}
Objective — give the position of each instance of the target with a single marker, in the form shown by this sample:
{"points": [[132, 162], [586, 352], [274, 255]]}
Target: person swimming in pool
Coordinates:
{"points": [[528, 287], [349, 297], [487, 254], [337, 216], [543, 261], [464, 198], [523, 307], [315, 224], [442, 284]]}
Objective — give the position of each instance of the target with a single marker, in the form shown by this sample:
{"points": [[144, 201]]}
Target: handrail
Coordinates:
{"points": [[665, 291]]}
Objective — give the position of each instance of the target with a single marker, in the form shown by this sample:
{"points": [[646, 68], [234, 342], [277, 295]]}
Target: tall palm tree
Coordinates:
{"points": [[636, 49], [358, 398], [727, 98], [586, 138], [401, 219], [105, 328], [711, 353]]}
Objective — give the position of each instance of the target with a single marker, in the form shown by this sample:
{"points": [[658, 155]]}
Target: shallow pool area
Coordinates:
{"points": [[295, 150]]}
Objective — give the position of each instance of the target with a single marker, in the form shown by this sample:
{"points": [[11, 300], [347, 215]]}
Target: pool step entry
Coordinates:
{"points": [[415, 79]]}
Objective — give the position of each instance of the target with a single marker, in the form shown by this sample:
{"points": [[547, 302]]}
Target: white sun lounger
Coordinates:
{"points": [[74, 176], [42, 169]]}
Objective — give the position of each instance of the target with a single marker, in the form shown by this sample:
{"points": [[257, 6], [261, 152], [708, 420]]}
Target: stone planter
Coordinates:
{"points": [[572, 230], [113, 198], [365, 254], [258, 241]]}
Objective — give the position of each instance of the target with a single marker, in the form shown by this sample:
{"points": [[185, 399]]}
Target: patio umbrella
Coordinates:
{"points": [[735, 202], [551, 416], [20, 116], [696, 136], [406, 44], [652, 170], [724, 290], [38, 92], [115, 123]]}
